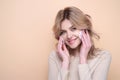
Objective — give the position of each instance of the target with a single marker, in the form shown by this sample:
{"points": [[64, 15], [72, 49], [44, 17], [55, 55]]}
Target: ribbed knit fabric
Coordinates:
{"points": [[95, 69]]}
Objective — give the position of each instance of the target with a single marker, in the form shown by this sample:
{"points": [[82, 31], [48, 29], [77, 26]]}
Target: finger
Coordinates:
{"points": [[60, 45], [85, 38], [83, 41], [65, 48], [88, 36], [57, 51]]}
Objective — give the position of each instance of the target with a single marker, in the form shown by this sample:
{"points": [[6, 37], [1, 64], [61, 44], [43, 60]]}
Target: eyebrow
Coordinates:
{"points": [[69, 28]]}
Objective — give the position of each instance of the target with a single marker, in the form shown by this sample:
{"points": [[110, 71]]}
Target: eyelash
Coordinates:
{"points": [[73, 28], [62, 32]]}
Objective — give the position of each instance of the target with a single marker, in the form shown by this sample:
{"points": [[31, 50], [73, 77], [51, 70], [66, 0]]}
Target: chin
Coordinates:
{"points": [[73, 46]]}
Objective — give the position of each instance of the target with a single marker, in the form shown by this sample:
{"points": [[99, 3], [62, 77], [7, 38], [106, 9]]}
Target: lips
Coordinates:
{"points": [[71, 41]]}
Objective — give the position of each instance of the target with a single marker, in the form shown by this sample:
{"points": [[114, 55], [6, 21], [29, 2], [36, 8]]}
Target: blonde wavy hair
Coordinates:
{"points": [[80, 21]]}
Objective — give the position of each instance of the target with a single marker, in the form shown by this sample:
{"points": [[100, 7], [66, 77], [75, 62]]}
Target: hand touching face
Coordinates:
{"points": [[86, 43], [62, 50]]}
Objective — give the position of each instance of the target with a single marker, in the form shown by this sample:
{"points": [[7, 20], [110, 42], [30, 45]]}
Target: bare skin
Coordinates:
{"points": [[73, 41]]}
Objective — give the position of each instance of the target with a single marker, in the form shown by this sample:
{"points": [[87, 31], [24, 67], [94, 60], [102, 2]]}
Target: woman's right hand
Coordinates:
{"points": [[63, 53]]}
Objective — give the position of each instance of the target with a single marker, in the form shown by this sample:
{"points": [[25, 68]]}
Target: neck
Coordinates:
{"points": [[75, 52]]}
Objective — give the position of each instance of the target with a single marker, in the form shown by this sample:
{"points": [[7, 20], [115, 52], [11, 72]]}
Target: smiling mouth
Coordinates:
{"points": [[71, 41]]}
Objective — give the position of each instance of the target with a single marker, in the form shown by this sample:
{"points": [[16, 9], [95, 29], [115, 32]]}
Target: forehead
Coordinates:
{"points": [[66, 24]]}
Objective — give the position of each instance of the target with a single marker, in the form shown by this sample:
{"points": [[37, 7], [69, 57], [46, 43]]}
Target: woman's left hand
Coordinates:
{"points": [[85, 46]]}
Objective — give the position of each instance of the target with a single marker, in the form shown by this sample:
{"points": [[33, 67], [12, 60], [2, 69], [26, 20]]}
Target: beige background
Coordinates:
{"points": [[26, 37]]}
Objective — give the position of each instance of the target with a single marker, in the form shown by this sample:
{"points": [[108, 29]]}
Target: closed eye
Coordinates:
{"points": [[73, 28], [62, 32]]}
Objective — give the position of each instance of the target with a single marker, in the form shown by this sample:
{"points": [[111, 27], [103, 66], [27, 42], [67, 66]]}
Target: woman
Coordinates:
{"points": [[76, 57]]}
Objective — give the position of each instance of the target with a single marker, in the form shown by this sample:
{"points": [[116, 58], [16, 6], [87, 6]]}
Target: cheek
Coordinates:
{"points": [[64, 37], [79, 41], [76, 33]]}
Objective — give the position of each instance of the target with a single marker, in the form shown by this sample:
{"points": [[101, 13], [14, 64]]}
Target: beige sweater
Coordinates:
{"points": [[95, 69]]}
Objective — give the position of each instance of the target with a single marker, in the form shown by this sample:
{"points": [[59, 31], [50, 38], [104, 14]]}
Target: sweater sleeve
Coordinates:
{"points": [[100, 72], [55, 72]]}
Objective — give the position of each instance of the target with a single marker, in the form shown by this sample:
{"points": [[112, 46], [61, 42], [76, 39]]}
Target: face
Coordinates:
{"points": [[70, 34]]}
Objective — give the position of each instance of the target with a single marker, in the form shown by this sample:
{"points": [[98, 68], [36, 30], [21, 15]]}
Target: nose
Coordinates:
{"points": [[69, 34]]}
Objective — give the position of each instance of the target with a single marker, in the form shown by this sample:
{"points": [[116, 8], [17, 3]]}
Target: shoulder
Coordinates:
{"points": [[53, 55], [104, 54]]}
